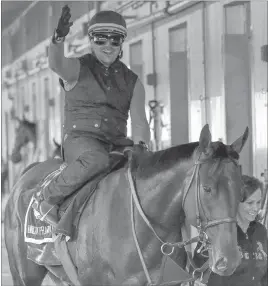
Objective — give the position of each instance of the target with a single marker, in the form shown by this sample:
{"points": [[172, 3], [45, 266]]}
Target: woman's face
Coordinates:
{"points": [[106, 48], [251, 206]]}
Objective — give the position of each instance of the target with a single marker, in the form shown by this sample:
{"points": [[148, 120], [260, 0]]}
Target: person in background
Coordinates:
{"points": [[264, 207], [252, 240]]}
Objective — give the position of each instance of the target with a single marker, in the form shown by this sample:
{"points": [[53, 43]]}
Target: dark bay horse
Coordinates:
{"points": [[27, 132], [136, 215]]}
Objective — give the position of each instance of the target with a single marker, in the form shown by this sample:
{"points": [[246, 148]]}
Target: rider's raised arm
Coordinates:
{"points": [[67, 68], [139, 124]]}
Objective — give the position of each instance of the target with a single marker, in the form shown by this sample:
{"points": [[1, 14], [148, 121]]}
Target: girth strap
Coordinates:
{"points": [[66, 260]]}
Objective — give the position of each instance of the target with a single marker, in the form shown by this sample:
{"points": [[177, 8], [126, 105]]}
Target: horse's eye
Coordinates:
{"points": [[207, 189]]}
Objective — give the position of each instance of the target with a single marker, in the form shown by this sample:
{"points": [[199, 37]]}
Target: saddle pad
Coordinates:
{"points": [[35, 230]]}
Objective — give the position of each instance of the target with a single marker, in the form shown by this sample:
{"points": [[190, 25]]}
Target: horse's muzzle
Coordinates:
{"points": [[223, 267], [221, 264]]}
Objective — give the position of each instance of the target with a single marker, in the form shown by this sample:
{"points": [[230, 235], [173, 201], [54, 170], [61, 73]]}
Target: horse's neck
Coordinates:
{"points": [[162, 195]]}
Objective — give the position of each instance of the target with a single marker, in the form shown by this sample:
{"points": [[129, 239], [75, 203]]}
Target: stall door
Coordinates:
{"points": [[178, 73], [44, 119], [136, 59], [259, 14], [34, 96], [237, 79], [136, 65], [197, 93]]}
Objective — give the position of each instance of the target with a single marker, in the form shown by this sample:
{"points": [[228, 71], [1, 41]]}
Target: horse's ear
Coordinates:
{"points": [[55, 143], [238, 144], [205, 139]]}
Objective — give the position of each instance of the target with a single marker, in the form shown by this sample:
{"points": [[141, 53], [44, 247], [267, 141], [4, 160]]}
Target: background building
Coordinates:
{"points": [[204, 62]]}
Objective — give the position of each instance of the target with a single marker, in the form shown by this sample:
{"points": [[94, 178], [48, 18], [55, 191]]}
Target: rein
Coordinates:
{"points": [[202, 236]]}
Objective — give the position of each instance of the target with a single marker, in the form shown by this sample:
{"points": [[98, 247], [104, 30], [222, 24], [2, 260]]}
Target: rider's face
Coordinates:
{"points": [[106, 48]]}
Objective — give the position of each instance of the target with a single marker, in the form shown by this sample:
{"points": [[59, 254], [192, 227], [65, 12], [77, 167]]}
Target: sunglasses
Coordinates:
{"points": [[102, 39]]}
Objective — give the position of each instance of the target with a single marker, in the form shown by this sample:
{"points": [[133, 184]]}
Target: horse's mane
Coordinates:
{"points": [[168, 158], [165, 159]]}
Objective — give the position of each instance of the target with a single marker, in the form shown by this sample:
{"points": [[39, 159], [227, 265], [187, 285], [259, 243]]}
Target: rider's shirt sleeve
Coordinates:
{"points": [[139, 124], [66, 68]]}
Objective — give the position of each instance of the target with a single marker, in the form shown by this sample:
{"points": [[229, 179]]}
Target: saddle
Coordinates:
{"points": [[42, 251]]}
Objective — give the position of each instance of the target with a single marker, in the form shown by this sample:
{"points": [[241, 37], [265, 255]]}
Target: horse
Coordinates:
{"points": [[26, 132], [135, 218]]}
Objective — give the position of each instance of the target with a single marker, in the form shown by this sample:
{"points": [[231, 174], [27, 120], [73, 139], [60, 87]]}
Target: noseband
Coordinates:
{"points": [[201, 226]]}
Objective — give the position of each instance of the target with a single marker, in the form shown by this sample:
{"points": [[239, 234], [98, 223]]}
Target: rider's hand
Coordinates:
{"points": [[141, 147], [136, 148], [64, 24]]}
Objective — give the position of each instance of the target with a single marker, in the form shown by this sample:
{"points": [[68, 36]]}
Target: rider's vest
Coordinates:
{"points": [[99, 103]]}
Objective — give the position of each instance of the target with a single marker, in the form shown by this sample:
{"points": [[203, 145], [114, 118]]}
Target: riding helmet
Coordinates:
{"points": [[108, 22]]}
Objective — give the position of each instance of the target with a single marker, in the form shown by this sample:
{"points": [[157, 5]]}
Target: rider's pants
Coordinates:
{"points": [[87, 157]]}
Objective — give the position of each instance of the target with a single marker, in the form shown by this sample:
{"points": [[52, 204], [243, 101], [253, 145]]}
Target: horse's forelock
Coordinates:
{"points": [[223, 151]]}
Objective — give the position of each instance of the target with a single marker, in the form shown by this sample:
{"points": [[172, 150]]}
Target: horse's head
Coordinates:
{"points": [[211, 199], [25, 132]]}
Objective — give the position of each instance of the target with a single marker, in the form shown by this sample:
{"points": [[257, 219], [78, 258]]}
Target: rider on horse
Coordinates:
{"points": [[100, 91]]}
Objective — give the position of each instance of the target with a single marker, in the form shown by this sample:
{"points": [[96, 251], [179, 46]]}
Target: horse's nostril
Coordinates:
{"points": [[221, 264]]}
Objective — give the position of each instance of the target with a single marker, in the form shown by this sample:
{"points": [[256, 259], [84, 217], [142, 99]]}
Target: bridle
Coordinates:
{"points": [[201, 226]]}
